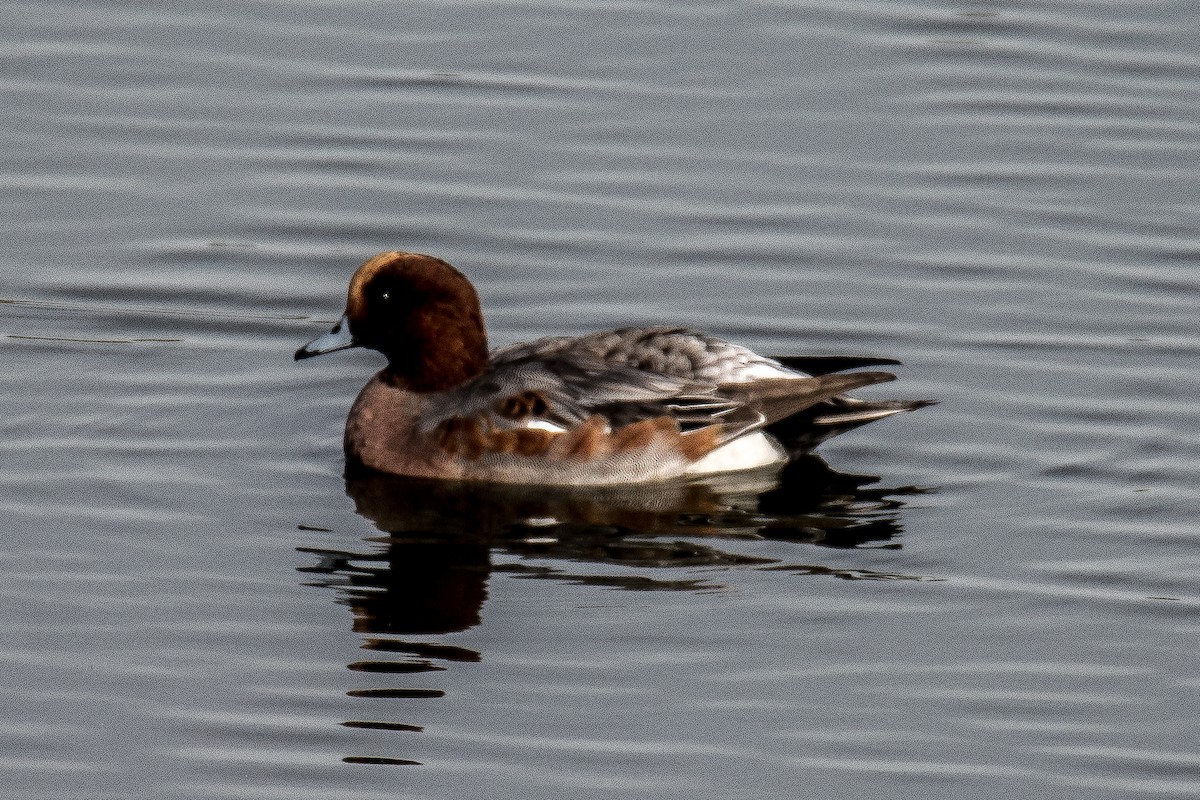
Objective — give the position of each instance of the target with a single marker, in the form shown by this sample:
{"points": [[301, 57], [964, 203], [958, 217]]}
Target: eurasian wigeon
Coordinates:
{"points": [[630, 405]]}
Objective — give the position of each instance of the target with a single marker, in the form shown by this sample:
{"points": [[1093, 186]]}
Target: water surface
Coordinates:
{"points": [[993, 597]]}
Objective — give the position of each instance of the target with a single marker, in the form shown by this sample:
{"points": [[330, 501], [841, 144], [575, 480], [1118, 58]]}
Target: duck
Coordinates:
{"points": [[626, 406]]}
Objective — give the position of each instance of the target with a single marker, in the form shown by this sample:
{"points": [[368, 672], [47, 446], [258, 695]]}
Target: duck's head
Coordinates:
{"points": [[417, 310]]}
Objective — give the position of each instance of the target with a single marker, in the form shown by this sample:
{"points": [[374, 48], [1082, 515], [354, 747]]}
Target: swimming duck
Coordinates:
{"points": [[631, 405]]}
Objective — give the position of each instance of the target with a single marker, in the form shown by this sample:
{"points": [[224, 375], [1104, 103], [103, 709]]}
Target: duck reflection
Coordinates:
{"points": [[427, 573]]}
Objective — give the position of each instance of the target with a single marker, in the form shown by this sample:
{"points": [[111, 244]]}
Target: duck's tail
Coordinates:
{"points": [[805, 430]]}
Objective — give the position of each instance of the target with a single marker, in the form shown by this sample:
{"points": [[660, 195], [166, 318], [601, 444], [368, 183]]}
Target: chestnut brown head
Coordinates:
{"points": [[420, 312]]}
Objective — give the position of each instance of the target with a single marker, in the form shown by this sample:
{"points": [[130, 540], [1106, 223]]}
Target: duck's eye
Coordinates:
{"points": [[385, 297]]}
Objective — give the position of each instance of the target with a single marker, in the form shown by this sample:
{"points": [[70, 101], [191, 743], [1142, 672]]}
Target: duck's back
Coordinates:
{"points": [[679, 353]]}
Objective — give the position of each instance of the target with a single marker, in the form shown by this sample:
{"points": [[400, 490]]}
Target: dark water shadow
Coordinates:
{"points": [[427, 572]]}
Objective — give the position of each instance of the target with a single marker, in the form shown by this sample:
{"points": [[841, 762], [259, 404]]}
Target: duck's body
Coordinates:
{"points": [[626, 406]]}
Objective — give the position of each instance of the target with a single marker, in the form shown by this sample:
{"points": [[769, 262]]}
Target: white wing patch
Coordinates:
{"points": [[543, 425]]}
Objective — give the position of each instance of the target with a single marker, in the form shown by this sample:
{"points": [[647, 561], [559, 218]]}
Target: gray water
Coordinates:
{"points": [[1002, 603]]}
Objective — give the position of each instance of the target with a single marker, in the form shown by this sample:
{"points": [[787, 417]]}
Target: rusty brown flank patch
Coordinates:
{"points": [[533, 442], [471, 439], [640, 434], [698, 443], [587, 440]]}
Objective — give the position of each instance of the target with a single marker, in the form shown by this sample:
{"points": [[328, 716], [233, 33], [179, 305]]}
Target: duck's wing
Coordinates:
{"points": [[558, 390], [546, 412], [781, 391], [553, 391]]}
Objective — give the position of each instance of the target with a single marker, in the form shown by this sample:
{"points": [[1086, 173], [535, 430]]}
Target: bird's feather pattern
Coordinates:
{"points": [[633, 375]]}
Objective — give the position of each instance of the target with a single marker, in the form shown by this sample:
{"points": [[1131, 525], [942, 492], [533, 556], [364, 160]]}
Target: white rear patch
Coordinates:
{"points": [[748, 452]]}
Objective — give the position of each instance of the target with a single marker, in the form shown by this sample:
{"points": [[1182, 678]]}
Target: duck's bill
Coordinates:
{"points": [[338, 338]]}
